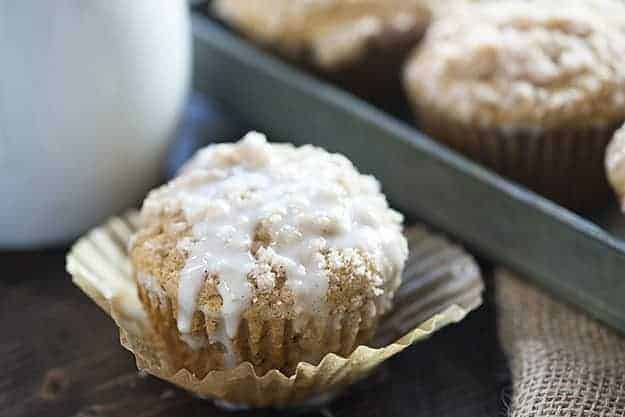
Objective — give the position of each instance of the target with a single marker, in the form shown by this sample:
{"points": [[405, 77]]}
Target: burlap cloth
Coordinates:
{"points": [[563, 363]]}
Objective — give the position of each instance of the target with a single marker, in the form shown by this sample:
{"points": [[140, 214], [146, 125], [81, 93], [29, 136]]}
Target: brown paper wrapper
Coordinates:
{"points": [[565, 164], [442, 283], [376, 75], [373, 74]]}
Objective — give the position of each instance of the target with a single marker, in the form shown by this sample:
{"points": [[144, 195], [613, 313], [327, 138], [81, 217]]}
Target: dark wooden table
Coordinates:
{"points": [[60, 355]]}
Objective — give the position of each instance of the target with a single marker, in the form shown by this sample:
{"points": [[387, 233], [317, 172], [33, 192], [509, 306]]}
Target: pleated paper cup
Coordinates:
{"points": [[441, 285], [564, 164]]}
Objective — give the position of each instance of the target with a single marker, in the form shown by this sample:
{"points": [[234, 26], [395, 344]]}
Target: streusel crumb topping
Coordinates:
{"points": [[527, 64]]}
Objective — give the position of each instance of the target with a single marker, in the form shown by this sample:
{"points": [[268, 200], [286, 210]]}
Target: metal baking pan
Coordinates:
{"points": [[575, 257]]}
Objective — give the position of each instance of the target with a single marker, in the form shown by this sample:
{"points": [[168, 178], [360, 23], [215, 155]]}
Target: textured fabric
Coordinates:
{"points": [[563, 363]]}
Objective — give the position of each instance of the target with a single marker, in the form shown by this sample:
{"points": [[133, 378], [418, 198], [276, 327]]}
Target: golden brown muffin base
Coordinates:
{"points": [[267, 344], [565, 164], [271, 334]]}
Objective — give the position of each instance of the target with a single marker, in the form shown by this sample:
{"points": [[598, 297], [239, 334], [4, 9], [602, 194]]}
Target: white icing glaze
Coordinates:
{"points": [[306, 199], [151, 284]]}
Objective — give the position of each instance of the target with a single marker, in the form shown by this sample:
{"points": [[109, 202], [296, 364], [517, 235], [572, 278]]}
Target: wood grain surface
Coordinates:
{"points": [[60, 356]]}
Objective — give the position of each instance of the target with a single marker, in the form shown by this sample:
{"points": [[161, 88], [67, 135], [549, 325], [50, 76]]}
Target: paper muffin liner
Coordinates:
{"points": [[565, 164], [267, 343], [441, 285]]}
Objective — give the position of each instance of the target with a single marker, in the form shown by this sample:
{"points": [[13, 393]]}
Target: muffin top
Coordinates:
{"points": [[615, 163], [294, 228], [333, 32], [535, 64]]}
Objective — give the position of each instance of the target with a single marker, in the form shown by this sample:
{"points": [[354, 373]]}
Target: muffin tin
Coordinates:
{"points": [[580, 259]]}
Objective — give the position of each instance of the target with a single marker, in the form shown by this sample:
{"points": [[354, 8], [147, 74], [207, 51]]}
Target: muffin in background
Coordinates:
{"points": [[265, 253], [361, 44], [615, 164], [532, 89]]}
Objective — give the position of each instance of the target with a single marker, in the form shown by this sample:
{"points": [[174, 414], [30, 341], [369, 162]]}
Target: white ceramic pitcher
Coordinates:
{"points": [[90, 92]]}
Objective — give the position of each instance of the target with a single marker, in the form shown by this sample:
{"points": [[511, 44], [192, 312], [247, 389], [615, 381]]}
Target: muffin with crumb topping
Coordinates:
{"points": [[359, 43], [532, 89], [265, 253], [615, 164]]}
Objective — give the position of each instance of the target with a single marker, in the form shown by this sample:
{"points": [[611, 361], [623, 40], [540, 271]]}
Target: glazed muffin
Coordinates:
{"points": [[359, 43], [532, 89], [266, 253], [615, 164]]}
